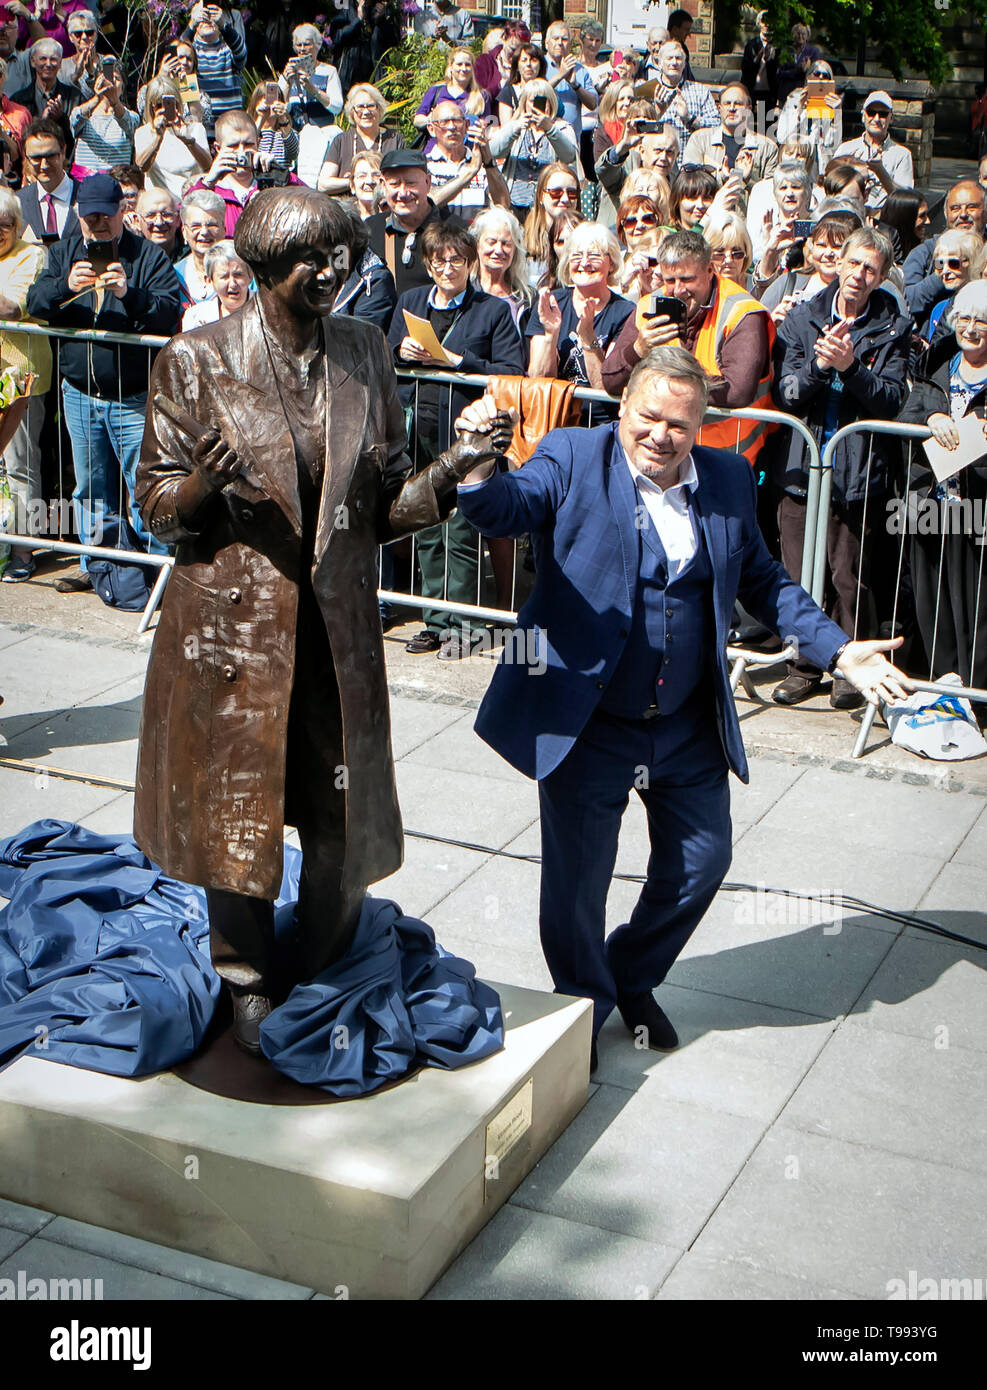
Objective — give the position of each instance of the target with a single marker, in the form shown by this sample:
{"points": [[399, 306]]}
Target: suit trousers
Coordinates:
{"points": [[241, 928], [678, 768]]}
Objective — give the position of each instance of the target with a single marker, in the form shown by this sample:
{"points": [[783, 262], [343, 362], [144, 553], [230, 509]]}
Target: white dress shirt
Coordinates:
{"points": [[668, 509], [62, 197]]}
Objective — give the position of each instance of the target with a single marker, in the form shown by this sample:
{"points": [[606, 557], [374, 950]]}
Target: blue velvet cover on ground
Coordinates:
{"points": [[104, 964]]}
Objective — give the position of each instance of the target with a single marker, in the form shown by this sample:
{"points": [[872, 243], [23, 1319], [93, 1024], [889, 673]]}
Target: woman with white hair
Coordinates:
{"points": [[501, 267], [365, 107], [570, 329], [947, 560], [792, 202], [957, 258], [310, 88], [203, 214], [230, 278], [21, 262], [535, 138]]}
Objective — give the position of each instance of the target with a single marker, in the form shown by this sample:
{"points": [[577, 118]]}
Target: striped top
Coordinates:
{"points": [[102, 140], [219, 66]]}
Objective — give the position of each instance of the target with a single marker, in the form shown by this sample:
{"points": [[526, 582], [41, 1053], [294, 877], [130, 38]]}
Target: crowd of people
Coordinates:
{"points": [[561, 213]]}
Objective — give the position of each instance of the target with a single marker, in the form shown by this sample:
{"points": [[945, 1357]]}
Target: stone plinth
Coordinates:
{"points": [[374, 1197]]}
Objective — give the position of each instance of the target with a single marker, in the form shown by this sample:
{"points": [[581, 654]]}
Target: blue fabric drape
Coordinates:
{"points": [[104, 964]]}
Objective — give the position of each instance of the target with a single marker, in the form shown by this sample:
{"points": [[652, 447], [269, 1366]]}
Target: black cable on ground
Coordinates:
{"points": [[842, 900]]}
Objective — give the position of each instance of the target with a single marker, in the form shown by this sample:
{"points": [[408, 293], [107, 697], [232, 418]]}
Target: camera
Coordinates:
{"points": [[243, 160], [276, 176]]}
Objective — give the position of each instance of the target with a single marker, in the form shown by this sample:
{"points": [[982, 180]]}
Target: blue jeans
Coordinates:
{"points": [[106, 441]]}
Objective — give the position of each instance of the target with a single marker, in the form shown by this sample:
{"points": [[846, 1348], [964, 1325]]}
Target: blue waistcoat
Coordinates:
{"points": [[671, 632]]}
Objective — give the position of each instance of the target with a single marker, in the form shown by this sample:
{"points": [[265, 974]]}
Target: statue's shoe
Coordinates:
{"points": [[249, 1012]]}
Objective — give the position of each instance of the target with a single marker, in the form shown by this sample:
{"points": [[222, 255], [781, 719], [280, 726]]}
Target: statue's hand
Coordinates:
{"points": [[215, 462], [483, 435]]}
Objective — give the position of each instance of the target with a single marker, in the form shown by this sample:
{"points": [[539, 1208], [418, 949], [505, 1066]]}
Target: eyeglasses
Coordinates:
{"points": [[590, 259], [557, 194], [47, 158], [734, 253], [881, 111], [83, 33], [821, 72], [968, 320], [450, 263], [450, 121], [371, 106], [646, 219], [951, 263]]}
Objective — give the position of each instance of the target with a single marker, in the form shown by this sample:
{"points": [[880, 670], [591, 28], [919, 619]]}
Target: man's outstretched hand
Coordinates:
{"points": [[869, 671], [483, 435]]}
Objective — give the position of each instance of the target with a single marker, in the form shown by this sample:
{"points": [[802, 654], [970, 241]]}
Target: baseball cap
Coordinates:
{"points": [[403, 159], [879, 99], [99, 193]]}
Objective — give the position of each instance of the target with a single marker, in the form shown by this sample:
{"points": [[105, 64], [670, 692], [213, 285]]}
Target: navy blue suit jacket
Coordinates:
{"points": [[577, 499]]}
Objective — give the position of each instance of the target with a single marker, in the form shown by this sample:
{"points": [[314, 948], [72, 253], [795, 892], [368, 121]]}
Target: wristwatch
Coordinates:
{"points": [[831, 668]]}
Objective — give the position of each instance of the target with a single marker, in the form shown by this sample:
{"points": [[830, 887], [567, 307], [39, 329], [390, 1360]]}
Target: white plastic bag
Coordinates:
{"points": [[936, 726]]}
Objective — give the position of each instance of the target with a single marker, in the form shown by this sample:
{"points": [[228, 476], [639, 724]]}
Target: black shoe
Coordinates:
{"points": [[843, 695], [639, 1011], [426, 641], [794, 689], [77, 584], [249, 1012]]}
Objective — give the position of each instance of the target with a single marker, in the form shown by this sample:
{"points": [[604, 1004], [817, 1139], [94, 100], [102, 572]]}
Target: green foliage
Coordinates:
{"points": [[906, 33], [405, 74]]}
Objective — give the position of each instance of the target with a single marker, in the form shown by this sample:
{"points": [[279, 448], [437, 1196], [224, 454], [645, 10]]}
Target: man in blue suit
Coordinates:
{"points": [[642, 543]]}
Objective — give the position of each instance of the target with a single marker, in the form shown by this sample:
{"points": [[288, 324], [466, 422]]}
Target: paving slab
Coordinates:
{"points": [[29, 796], [528, 1255], [9, 1242], [44, 1259], [870, 813], [457, 748], [808, 969], [733, 1055], [115, 818], [50, 668], [172, 1264], [429, 874], [479, 810], [641, 1165], [973, 849], [700, 1277], [930, 990], [955, 899], [95, 738], [414, 722], [847, 1216], [776, 857], [854, 1093], [18, 1217]]}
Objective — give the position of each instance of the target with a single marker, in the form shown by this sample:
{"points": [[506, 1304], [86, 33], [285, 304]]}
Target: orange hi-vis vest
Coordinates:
{"points": [[731, 304]]}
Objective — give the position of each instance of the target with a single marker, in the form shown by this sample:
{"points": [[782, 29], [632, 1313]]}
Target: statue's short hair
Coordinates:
{"points": [[278, 224]]}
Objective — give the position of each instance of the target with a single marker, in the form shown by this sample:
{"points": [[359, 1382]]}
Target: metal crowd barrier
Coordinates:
{"points": [[819, 551], [741, 658], [163, 563]]}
